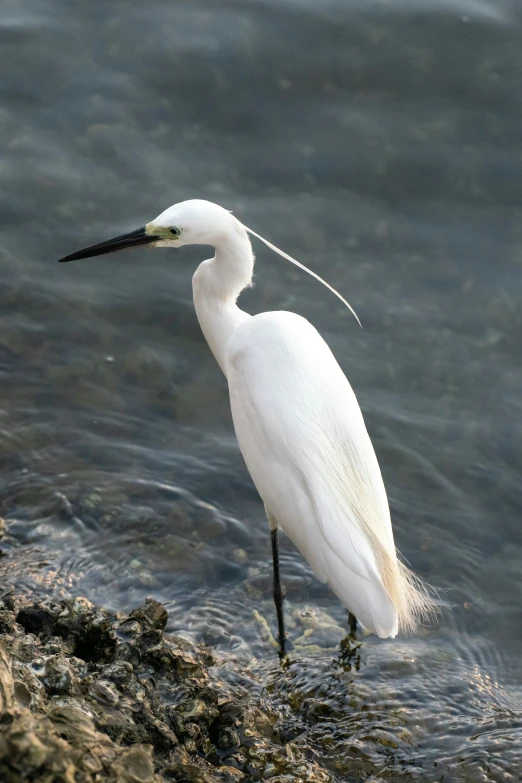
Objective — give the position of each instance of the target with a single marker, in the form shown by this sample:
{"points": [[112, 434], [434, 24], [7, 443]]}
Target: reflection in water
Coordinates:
{"points": [[379, 144]]}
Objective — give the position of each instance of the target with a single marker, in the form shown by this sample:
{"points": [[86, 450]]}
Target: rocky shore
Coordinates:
{"points": [[88, 696]]}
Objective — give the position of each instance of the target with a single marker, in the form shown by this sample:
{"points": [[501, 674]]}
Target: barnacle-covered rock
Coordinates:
{"points": [[37, 619], [151, 615], [89, 627], [93, 697]]}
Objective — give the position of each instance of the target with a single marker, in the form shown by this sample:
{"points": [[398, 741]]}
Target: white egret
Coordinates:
{"points": [[298, 424]]}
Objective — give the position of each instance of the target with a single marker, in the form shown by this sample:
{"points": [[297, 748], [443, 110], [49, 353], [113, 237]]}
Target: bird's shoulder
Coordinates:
{"points": [[275, 336], [280, 355]]}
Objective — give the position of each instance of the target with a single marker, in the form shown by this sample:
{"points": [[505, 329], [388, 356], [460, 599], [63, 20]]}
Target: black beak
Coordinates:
{"points": [[134, 239]]}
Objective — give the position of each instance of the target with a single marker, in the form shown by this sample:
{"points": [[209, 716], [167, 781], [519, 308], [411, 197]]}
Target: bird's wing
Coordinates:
{"points": [[305, 443]]}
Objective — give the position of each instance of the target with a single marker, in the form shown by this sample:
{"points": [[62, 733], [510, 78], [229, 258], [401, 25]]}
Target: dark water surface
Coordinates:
{"points": [[380, 143]]}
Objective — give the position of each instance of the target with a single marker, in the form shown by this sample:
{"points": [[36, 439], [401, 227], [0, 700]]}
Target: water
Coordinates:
{"points": [[378, 142]]}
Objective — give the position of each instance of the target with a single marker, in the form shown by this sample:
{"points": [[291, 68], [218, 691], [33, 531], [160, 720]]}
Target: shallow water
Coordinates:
{"points": [[379, 143]]}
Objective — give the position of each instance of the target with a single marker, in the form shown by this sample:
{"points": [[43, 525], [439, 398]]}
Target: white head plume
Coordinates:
{"points": [[305, 268]]}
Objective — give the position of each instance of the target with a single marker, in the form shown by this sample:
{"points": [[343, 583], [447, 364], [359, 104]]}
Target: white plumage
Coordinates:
{"points": [[298, 424], [303, 439]]}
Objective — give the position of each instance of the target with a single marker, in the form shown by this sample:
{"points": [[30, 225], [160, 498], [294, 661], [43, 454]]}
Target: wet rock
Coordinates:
{"points": [[104, 692], [90, 697], [89, 627], [72, 722], [135, 765], [6, 683], [22, 693], [227, 738], [196, 709], [6, 620], [7, 598], [118, 672], [37, 619], [240, 556], [59, 677], [163, 735], [7, 614], [151, 615]]}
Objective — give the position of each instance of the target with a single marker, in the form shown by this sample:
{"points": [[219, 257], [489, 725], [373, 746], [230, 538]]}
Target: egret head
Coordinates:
{"points": [[194, 222]]}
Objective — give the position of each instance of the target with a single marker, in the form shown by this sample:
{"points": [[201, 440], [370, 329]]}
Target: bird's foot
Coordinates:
{"points": [[284, 650], [349, 654]]}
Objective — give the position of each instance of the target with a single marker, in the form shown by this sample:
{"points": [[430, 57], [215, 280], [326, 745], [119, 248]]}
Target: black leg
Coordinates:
{"points": [[352, 625], [279, 591]]}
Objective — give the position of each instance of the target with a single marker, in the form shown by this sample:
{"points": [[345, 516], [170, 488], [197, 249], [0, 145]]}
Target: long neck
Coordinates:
{"points": [[216, 286]]}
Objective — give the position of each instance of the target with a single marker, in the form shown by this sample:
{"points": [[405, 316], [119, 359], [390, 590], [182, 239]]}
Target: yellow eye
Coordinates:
{"points": [[175, 231]]}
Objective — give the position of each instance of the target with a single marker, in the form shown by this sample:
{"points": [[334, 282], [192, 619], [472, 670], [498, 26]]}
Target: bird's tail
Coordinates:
{"points": [[416, 601]]}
